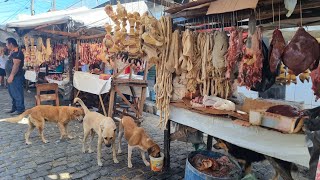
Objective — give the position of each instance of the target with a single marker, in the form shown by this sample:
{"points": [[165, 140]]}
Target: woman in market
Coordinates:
{"points": [[3, 58]]}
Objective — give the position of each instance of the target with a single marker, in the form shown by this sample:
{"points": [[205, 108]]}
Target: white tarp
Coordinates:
{"points": [[5, 34], [88, 17], [287, 147], [31, 76], [91, 83]]}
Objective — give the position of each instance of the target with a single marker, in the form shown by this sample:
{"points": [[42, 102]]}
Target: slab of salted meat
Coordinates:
{"points": [[277, 46], [302, 52], [250, 70], [234, 52]]}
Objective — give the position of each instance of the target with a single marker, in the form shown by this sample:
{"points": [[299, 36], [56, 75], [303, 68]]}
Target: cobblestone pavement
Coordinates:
{"points": [[64, 160]]}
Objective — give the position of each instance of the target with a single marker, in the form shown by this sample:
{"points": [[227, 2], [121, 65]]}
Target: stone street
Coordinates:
{"points": [[64, 160]]}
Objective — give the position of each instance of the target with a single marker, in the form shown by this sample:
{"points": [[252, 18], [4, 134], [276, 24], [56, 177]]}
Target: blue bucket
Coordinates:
{"points": [[192, 173]]}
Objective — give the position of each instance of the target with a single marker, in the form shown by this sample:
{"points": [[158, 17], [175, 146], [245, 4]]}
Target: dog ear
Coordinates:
{"points": [[150, 150]]}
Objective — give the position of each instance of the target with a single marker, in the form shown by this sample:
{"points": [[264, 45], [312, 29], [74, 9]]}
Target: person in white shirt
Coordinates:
{"points": [[3, 59]]}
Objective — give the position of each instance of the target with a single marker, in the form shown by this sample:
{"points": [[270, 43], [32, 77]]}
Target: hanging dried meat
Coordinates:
{"points": [[60, 51], [220, 86], [276, 50], [89, 53], [302, 52], [268, 78], [234, 52], [206, 41], [163, 86], [250, 70], [315, 77]]}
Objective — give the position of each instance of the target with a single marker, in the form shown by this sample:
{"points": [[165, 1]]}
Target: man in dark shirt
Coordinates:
{"points": [[15, 76]]}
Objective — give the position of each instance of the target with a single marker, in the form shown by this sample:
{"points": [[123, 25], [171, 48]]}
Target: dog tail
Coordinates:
{"points": [[84, 107], [18, 118]]}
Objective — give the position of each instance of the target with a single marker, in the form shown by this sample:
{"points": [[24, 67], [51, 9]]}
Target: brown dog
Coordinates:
{"points": [[137, 137], [37, 116]]}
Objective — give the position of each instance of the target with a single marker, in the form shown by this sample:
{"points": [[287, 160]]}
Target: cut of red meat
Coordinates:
{"points": [[277, 46], [302, 52], [250, 69], [315, 77], [234, 51], [284, 110]]}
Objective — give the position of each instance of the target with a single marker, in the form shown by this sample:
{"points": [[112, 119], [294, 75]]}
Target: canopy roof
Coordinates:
{"points": [[74, 20]]}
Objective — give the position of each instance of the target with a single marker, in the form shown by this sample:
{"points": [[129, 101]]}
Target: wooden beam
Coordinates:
{"points": [[191, 13], [96, 36], [61, 33], [262, 11], [77, 55], [163, 3], [187, 5]]}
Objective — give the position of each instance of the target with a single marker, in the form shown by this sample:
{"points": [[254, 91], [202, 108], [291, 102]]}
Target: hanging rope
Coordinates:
{"points": [[279, 17], [300, 14], [272, 11]]}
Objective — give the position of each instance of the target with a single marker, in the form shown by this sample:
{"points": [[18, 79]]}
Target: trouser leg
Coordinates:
{"points": [[10, 87], [17, 93]]}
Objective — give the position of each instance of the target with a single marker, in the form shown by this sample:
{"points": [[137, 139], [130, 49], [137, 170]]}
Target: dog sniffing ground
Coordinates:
{"points": [[64, 160]]}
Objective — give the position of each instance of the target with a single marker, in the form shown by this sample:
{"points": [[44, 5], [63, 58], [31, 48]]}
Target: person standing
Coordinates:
{"points": [[15, 76], [3, 59]]}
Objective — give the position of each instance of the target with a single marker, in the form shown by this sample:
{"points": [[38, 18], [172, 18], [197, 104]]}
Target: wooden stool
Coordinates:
{"points": [[47, 97]]}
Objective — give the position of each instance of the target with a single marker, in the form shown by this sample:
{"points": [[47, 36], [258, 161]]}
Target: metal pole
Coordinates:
{"points": [[32, 7], [53, 5]]}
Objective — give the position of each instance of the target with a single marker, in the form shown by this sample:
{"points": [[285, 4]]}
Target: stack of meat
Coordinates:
{"points": [[221, 167]]}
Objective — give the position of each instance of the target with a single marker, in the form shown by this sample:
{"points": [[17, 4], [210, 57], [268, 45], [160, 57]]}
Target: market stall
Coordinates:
{"points": [[208, 49], [98, 59]]}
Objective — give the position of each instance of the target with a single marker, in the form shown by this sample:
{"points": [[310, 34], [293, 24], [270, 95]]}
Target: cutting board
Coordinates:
{"points": [[275, 121]]}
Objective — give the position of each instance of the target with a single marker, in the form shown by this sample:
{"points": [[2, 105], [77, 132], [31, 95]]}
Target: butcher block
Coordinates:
{"points": [[275, 121]]}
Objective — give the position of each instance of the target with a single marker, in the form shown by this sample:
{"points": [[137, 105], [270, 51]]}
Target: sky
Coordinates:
{"points": [[10, 9]]}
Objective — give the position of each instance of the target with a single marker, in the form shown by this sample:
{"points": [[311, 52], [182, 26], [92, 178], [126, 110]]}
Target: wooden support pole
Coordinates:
{"points": [[77, 55], [209, 142], [103, 108], [111, 102], [142, 100], [166, 145], [126, 101]]}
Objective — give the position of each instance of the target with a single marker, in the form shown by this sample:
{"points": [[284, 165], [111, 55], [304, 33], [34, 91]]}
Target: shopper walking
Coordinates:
{"points": [[14, 73], [3, 59]]}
